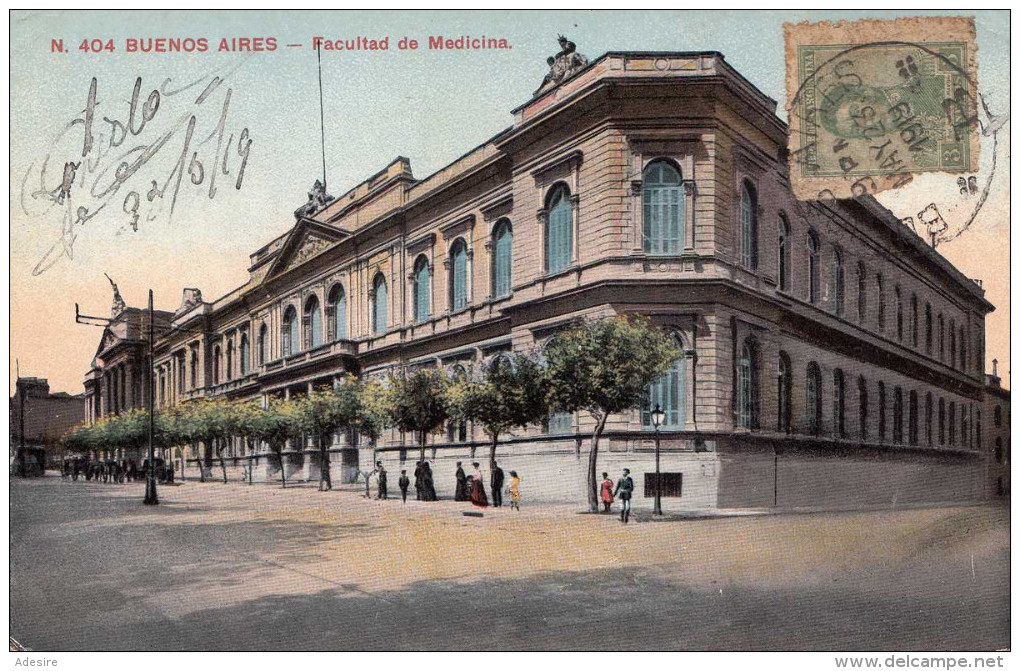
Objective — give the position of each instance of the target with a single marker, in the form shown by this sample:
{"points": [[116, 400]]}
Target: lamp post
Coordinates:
{"points": [[657, 417], [151, 498]]}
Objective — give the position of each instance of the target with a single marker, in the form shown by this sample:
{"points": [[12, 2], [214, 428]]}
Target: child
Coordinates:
{"points": [[515, 491], [404, 482], [607, 493]]}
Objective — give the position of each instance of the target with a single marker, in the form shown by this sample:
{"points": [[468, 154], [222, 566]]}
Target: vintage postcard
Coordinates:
{"points": [[660, 331]]}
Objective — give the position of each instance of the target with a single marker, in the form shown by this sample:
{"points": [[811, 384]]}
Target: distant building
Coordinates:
{"points": [[46, 418], [830, 356], [995, 435]]}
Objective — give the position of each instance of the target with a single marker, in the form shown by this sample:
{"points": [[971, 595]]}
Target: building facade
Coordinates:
{"points": [[994, 431], [38, 420], [831, 357]]}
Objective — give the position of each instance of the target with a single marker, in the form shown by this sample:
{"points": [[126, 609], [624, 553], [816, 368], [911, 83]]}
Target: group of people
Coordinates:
{"points": [[111, 470], [624, 489], [469, 487]]}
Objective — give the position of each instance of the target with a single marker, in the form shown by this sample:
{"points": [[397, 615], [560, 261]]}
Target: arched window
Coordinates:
{"points": [[942, 338], [313, 323], [952, 343], [913, 320], [862, 293], [838, 403], [194, 367], [899, 313], [813, 390], [785, 389], [230, 360], [669, 392], [748, 225], [422, 288], [663, 208], [963, 348], [942, 421], [912, 424], [929, 409], [559, 231], [927, 328], [813, 247], [263, 338], [747, 386], [880, 289], [881, 411], [217, 354], [897, 415], [336, 313], [289, 333], [244, 354], [784, 253], [458, 275], [380, 300], [862, 407], [838, 280], [952, 422], [997, 416], [502, 259]]}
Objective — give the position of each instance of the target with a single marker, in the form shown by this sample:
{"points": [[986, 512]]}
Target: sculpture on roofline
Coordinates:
{"points": [[317, 200], [563, 65]]}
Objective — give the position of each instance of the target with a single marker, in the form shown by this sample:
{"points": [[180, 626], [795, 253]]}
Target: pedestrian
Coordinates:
{"points": [[515, 491], [607, 493], [418, 481], [497, 486], [170, 473], [75, 469], [478, 496], [381, 471], [368, 483], [404, 482], [428, 485], [625, 488], [461, 493]]}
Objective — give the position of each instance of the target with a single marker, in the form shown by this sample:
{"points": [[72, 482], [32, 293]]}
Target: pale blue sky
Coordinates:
{"points": [[429, 106]]}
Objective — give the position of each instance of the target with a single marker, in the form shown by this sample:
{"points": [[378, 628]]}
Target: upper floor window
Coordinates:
{"points": [[929, 409], [669, 392], [263, 343], [839, 403], [913, 320], [380, 300], [813, 390], [217, 355], [502, 259], [748, 225], [881, 410], [747, 386], [663, 208], [313, 322], [927, 328], [230, 360], [289, 332], [942, 421], [838, 280], [458, 275], [244, 354], [784, 254], [862, 406], [952, 343], [813, 246], [997, 416], [559, 232], [194, 368], [422, 288], [942, 338], [336, 313], [963, 348], [785, 388], [899, 313], [862, 293], [880, 289]]}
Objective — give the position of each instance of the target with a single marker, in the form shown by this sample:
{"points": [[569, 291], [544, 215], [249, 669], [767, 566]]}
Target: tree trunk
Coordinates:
{"points": [[283, 469], [223, 462], [492, 452], [593, 456], [325, 482], [423, 445]]}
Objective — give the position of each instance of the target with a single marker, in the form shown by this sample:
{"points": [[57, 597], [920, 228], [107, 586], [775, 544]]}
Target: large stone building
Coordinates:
{"points": [[830, 355], [38, 420], [995, 435]]}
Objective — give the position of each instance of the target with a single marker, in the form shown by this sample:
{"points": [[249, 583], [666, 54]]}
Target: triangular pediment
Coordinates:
{"points": [[306, 240]]}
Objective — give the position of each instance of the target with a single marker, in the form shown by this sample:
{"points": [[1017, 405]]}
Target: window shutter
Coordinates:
{"points": [[330, 322], [306, 326]]}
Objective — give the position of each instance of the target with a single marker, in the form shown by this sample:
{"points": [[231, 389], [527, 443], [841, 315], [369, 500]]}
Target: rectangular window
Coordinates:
{"points": [[560, 422]]}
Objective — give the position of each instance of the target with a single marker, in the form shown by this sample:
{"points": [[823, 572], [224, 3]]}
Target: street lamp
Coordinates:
{"points": [[657, 416]]}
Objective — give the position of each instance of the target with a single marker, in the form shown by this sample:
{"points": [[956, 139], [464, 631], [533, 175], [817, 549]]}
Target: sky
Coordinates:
{"points": [[430, 106]]}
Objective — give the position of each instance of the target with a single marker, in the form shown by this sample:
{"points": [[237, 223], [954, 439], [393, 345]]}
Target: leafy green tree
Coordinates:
{"points": [[324, 412], [604, 367], [511, 395], [209, 421], [274, 426], [418, 402]]}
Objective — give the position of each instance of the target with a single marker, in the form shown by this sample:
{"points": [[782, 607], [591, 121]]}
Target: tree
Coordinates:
{"points": [[272, 425], [604, 367], [209, 421], [418, 402], [324, 412], [511, 395]]}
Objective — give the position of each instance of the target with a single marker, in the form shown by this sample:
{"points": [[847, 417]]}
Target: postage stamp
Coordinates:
{"points": [[873, 103]]}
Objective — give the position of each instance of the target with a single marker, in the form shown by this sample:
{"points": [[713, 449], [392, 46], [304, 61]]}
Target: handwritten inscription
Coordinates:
{"points": [[128, 160]]}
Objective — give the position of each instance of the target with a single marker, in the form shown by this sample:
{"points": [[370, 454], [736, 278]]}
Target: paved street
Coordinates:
{"points": [[234, 567]]}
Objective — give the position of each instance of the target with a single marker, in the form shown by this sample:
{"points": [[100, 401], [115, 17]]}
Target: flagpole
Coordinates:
{"points": [[322, 115]]}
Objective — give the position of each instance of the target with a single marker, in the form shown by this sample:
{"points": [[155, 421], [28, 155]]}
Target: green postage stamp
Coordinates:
{"points": [[873, 103]]}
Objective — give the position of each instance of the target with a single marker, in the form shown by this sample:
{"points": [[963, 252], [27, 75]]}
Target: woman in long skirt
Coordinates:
{"points": [[515, 491], [478, 496], [428, 484]]}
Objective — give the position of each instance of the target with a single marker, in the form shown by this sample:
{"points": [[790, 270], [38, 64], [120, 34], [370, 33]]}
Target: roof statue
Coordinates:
{"points": [[118, 300], [563, 65], [317, 200]]}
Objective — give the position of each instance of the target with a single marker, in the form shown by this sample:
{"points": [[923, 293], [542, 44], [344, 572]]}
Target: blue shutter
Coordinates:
{"points": [[559, 239], [316, 325], [503, 261], [340, 316], [459, 276], [663, 209], [421, 292], [381, 298]]}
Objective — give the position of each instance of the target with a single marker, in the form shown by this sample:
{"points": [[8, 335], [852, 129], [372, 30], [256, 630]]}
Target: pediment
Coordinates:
{"points": [[306, 240]]}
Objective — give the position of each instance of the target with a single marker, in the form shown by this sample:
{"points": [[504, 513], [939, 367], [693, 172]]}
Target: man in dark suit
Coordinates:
{"points": [[461, 493], [404, 482], [497, 485], [381, 481], [624, 490]]}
